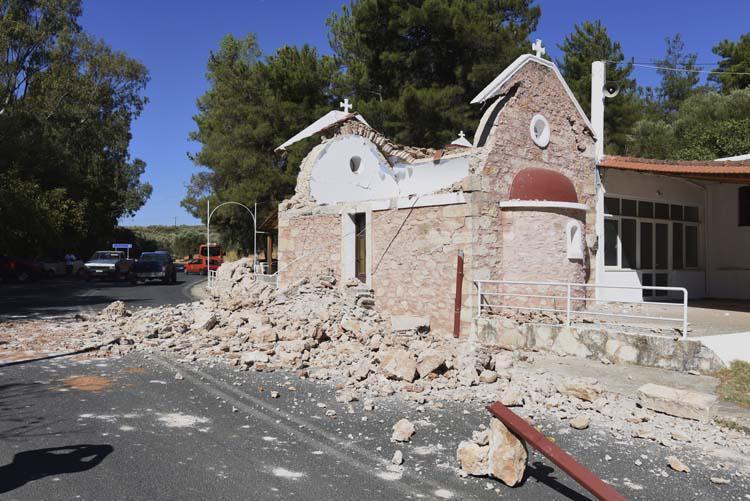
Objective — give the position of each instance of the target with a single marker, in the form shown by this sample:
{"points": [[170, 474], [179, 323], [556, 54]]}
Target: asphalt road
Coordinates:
{"points": [[128, 429], [65, 297]]}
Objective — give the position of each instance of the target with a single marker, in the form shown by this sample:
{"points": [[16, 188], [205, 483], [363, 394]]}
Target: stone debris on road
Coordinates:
{"points": [[336, 336], [677, 465], [496, 453], [579, 422], [402, 431]]}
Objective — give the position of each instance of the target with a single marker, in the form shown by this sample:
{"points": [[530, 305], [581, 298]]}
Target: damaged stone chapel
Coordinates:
{"points": [[530, 199]]}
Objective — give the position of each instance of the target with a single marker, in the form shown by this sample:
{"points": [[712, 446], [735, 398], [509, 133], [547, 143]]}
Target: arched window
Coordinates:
{"points": [[574, 234]]}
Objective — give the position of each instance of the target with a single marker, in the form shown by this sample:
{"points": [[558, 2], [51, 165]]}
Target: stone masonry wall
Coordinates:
{"points": [[308, 245], [511, 149], [414, 263]]}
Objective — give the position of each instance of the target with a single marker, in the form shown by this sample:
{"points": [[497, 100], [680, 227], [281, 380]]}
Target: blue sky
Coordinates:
{"points": [[173, 39]]}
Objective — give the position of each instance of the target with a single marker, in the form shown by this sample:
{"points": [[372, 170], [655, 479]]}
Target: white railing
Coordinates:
{"points": [[575, 298], [270, 279]]}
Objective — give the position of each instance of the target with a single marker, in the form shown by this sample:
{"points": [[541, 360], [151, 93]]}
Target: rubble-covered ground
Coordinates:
{"points": [[334, 337]]}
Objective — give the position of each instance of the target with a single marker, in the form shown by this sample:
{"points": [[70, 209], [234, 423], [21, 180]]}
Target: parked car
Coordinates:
{"points": [[56, 267], [154, 266], [108, 264], [179, 267], [197, 266], [17, 269]]}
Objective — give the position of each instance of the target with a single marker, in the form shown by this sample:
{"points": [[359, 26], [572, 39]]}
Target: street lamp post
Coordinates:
{"points": [[208, 234]]}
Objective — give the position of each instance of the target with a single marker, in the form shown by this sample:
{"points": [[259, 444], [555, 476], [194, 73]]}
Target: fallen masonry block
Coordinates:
{"points": [[473, 458], [584, 389], [399, 364], [520, 428], [253, 357], [409, 323], [679, 403], [402, 431]]}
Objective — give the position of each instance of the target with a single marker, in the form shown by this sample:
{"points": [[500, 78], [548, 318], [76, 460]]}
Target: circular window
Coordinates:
{"points": [[539, 129], [354, 164]]}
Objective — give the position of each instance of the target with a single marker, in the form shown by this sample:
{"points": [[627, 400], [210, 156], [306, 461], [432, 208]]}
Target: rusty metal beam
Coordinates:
{"points": [[459, 290], [554, 453]]}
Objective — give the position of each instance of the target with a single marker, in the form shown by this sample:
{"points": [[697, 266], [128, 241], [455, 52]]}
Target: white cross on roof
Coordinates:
{"points": [[537, 47], [461, 134], [346, 105]]}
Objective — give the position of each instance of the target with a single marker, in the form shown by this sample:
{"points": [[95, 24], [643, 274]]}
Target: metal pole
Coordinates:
{"points": [[208, 242], [684, 313], [459, 286], [255, 238], [567, 317], [582, 475], [479, 298]]}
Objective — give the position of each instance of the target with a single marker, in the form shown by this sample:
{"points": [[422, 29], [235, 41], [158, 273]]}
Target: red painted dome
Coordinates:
{"points": [[542, 184]]}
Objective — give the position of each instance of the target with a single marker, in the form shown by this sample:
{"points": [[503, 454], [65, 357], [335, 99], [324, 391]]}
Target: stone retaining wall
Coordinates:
{"points": [[597, 343]]}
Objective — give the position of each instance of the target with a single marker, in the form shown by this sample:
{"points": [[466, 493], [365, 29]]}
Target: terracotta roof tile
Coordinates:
{"points": [[682, 167]]}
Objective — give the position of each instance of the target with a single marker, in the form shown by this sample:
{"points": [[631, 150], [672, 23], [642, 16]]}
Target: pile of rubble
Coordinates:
{"points": [[327, 332]]}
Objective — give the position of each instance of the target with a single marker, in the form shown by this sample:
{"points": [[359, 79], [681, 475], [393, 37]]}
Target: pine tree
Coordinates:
{"points": [[413, 67], [254, 103], [590, 42], [678, 75], [734, 67]]}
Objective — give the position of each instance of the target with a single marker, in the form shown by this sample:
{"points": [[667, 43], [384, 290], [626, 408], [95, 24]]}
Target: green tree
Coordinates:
{"points": [[187, 242], [590, 42], [253, 105], [679, 77], [67, 102], [413, 67], [707, 125], [733, 71]]}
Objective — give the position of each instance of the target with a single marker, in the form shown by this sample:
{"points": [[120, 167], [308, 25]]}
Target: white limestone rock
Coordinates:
{"points": [[253, 357], [507, 454], [473, 459], [402, 431], [429, 361], [399, 364], [679, 403], [585, 389]]}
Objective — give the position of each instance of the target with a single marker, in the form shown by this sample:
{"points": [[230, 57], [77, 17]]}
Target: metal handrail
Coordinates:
{"points": [[569, 298]]}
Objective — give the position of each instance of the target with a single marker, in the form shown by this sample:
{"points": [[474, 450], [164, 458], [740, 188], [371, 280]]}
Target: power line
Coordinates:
{"points": [[669, 68]]}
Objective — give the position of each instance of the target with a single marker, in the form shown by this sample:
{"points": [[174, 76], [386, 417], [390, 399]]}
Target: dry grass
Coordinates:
{"points": [[735, 383]]}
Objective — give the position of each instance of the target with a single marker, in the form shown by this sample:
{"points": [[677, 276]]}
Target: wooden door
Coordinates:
{"points": [[360, 247]]}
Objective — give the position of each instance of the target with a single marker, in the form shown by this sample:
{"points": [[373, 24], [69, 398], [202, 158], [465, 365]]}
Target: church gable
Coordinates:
{"points": [[535, 123]]}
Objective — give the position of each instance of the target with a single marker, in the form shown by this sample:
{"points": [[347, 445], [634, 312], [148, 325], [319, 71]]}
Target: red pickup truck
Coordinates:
{"points": [[197, 266]]}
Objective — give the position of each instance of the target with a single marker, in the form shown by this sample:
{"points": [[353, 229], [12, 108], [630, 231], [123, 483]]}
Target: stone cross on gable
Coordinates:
{"points": [[537, 47], [461, 134], [346, 105]]}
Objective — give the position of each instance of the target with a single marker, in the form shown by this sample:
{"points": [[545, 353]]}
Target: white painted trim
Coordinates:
{"points": [[543, 140], [494, 87], [320, 124], [736, 158], [542, 204], [452, 198]]}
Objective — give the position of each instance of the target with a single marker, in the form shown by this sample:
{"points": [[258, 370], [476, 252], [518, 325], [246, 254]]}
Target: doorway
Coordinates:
{"points": [[360, 246]]}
